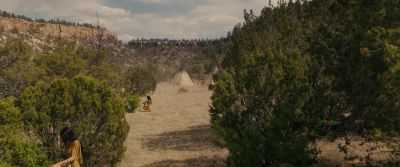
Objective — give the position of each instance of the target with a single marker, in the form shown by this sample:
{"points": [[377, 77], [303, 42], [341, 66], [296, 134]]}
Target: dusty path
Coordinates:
{"points": [[175, 134]]}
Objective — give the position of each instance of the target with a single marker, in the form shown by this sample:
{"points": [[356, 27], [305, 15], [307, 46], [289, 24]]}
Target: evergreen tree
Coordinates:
{"points": [[17, 148], [85, 104], [303, 71]]}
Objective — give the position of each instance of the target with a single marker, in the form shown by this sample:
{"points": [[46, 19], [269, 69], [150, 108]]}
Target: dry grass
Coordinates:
{"points": [[175, 133], [194, 139], [195, 162]]}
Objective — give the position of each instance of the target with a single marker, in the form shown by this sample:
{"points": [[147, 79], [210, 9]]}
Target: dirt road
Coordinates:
{"points": [[175, 134]]}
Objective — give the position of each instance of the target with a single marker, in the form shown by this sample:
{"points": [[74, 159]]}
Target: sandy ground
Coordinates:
{"points": [[176, 133]]}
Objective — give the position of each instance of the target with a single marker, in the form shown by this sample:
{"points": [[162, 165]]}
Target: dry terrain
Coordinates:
{"points": [[176, 133]]}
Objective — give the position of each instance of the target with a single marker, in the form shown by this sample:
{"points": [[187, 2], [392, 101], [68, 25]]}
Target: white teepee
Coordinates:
{"points": [[183, 79]]}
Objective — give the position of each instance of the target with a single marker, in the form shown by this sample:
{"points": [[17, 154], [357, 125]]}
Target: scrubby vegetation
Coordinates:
{"points": [[141, 79], [309, 70], [64, 84], [302, 71], [199, 57], [133, 103], [85, 104], [18, 148]]}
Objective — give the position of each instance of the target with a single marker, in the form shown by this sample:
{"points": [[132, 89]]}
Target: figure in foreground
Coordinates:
{"points": [[73, 146]]}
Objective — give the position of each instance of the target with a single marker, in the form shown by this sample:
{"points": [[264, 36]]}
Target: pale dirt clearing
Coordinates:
{"points": [[176, 133]]}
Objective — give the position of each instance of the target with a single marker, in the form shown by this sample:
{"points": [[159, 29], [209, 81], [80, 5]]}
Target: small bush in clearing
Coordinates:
{"points": [[183, 90], [133, 103]]}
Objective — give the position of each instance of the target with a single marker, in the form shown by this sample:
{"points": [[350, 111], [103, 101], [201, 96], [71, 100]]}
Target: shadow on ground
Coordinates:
{"points": [[195, 139], [196, 162]]}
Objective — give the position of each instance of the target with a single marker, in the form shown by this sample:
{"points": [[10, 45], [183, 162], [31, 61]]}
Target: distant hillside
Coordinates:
{"points": [[41, 30], [198, 57], [41, 34], [166, 57], [50, 21]]}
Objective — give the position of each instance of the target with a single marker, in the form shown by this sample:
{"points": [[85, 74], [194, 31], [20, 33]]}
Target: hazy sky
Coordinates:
{"points": [[144, 18]]}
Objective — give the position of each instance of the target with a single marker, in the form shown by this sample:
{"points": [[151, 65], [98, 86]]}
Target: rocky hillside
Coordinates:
{"points": [[38, 32], [167, 57]]}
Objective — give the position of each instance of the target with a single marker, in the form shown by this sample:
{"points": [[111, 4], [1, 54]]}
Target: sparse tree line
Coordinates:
{"points": [[199, 57], [305, 71], [50, 21], [170, 43]]}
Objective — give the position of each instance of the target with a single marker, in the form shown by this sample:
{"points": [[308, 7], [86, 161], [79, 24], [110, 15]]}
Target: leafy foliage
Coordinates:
{"points": [[17, 71], [87, 105], [65, 83], [141, 80], [133, 103], [16, 147], [22, 67], [282, 88]]}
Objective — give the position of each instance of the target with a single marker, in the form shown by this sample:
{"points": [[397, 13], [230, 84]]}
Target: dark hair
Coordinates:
{"points": [[68, 135], [148, 98]]}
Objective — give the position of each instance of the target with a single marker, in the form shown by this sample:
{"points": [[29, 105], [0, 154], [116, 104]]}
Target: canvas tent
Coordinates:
{"points": [[183, 79]]}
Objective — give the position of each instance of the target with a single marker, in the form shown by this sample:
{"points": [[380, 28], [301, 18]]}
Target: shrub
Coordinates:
{"points": [[140, 80], [16, 68], [283, 87], [16, 147], [183, 90], [64, 61], [263, 122], [260, 100], [21, 66], [133, 103], [85, 104]]}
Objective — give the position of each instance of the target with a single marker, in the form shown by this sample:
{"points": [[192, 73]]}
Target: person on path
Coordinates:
{"points": [[146, 104], [73, 145]]}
